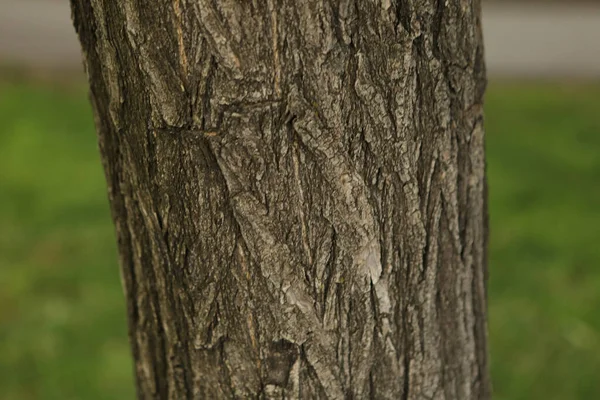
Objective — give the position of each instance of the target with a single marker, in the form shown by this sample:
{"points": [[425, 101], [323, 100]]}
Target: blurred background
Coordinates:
{"points": [[62, 312]]}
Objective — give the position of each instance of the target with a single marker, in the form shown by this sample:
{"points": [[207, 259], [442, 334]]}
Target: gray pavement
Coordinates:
{"points": [[542, 39], [38, 33], [535, 40]]}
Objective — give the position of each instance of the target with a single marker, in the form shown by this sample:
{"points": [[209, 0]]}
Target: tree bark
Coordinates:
{"points": [[299, 195]]}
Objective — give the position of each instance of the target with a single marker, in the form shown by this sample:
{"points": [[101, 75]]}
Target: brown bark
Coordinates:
{"points": [[298, 190]]}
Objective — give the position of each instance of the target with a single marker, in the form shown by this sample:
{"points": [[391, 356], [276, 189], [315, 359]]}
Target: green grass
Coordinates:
{"points": [[62, 321], [62, 317], [544, 171]]}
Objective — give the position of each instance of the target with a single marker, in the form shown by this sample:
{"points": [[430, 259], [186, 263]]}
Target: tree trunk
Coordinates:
{"points": [[298, 189]]}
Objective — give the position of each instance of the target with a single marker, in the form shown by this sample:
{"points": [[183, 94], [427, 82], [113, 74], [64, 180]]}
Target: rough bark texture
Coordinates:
{"points": [[298, 189]]}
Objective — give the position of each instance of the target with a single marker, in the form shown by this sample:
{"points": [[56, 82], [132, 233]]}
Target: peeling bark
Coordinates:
{"points": [[298, 190]]}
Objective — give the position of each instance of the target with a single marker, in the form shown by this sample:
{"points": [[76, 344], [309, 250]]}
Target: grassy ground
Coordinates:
{"points": [[62, 325], [62, 319], [544, 172]]}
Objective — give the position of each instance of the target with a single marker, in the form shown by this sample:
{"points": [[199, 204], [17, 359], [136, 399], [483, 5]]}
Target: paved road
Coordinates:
{"points": [[542, 40], [521, 40], [38, 33]]}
